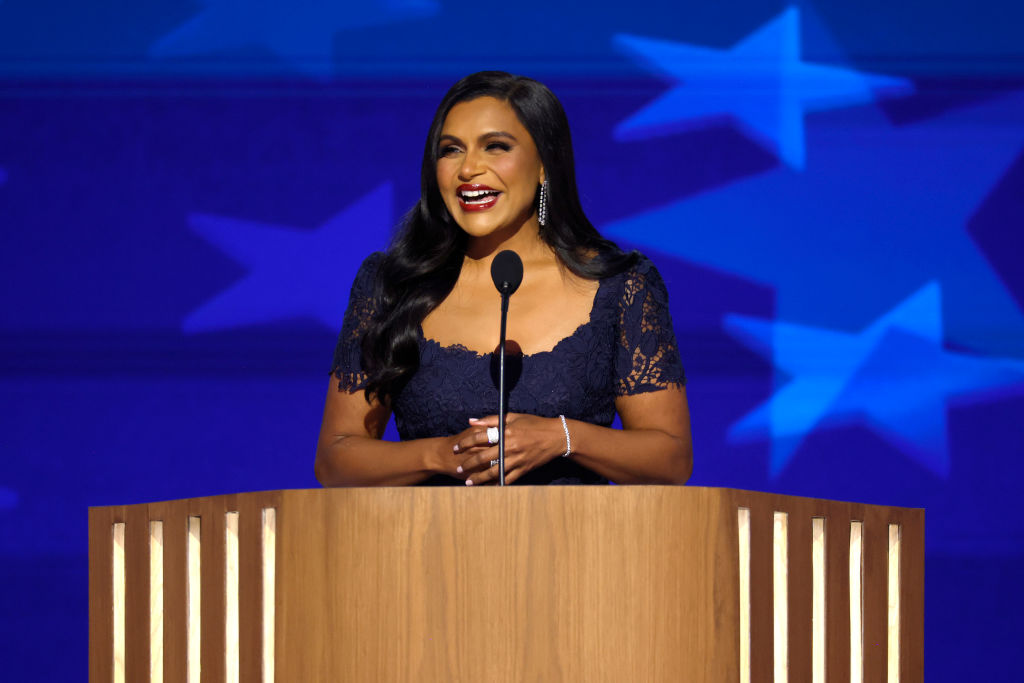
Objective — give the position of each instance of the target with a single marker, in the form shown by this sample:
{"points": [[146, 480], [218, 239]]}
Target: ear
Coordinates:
{"points": [[543, 176]]}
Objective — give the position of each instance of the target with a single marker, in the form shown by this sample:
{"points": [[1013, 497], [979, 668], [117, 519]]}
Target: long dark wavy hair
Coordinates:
{"points": [[422, 264]]}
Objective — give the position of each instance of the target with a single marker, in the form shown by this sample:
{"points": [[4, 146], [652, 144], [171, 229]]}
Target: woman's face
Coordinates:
{"points": [[488, 168]]}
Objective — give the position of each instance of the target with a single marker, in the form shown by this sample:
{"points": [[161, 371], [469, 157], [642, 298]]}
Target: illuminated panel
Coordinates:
{"points": [[744, 558], [893, 589], [231, 663], [856, 603], [117, 565], [780, 596], [192, 661], [269, 575], [818, 600], [156, 602]]}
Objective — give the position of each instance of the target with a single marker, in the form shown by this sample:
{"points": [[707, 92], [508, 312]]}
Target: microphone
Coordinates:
{"points": [[507, 272], [507, 275]]}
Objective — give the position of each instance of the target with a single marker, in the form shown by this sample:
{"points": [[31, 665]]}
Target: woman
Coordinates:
{"points": [[589, 330]]}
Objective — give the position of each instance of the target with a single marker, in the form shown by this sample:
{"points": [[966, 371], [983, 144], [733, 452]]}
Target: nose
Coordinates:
{"points": [[471, 166]]}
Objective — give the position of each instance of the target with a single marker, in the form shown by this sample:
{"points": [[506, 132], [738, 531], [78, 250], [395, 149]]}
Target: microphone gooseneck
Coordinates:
{"points": [[507, 275]]}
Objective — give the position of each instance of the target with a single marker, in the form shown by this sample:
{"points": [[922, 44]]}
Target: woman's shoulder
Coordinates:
{"points": [[637, 267], [642, 265], [366, 276], [637, 285], [371, 264]]}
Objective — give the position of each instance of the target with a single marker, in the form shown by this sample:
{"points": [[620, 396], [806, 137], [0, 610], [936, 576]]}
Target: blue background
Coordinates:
{"points": [[833, 191]]}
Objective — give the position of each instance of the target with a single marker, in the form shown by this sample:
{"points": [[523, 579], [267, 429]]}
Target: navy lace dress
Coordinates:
{"points": [[627, 347]]}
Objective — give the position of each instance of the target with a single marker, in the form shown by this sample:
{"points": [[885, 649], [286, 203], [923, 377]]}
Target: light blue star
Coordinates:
{"points": [[761, 83], [293, 273], [885, 210], [301, 32], [894, 376]]}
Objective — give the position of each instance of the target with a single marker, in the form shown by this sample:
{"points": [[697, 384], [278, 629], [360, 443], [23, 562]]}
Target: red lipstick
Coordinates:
{"points": [[476, 197]]}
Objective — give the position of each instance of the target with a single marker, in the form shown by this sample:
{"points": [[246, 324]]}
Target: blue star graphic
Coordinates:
{"points": [[894, 376], [761, 83], [885, 211], [299, 31], [293, 273]]}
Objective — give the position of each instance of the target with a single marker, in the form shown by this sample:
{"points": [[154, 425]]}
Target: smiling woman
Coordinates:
{"points": [[488, 169], [590, 323]]}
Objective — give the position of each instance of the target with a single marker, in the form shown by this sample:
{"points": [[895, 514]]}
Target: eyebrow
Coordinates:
{"points": [[485, 136]]}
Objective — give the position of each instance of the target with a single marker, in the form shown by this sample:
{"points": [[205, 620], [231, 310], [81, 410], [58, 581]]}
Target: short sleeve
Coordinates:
{"points": [[646, 355], [347, 365]]}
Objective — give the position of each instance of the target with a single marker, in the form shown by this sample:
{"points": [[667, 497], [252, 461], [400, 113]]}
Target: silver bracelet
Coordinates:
{"points": [[568, 441]]}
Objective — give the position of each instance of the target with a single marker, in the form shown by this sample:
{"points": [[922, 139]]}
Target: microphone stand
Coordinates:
{"points": [[501, 385], [507, 275]]}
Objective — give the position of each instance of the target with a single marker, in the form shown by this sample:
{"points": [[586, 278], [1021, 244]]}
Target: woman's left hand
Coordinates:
{"points": [[530, 441]]}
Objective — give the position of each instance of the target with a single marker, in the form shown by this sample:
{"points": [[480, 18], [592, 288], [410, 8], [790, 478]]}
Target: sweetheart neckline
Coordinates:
{"points": [[460, 348]]}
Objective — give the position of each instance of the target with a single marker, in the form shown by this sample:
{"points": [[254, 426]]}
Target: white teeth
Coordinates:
{"points": [[477, 196]]}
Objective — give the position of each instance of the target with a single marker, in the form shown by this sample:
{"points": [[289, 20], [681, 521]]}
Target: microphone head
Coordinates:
{"points": [[507, 272]]}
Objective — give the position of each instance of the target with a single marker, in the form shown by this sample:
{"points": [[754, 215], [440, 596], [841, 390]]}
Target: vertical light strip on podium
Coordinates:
{"points": [[743, 522], [231, 663], [818, 600], [780, 596], [269, 568], [193, 588], [856, 603], [194, 632], [893, 626], [117, 566], [156, 601]]}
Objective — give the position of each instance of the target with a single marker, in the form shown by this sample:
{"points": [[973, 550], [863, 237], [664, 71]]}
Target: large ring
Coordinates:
{"points": [[492, 437], [493, 463]]}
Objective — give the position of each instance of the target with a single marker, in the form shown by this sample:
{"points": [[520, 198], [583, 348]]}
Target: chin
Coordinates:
{"points": [[474, 227], [479, 226]]}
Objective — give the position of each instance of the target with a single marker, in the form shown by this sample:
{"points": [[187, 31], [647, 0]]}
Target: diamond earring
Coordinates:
{"points": [[542, 204]]}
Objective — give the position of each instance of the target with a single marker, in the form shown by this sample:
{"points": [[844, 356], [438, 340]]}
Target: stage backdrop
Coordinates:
{"points": [[834, 192]]}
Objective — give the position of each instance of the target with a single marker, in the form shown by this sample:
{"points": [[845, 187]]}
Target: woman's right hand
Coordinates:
{"points": [[457, 448], [350, 451]]}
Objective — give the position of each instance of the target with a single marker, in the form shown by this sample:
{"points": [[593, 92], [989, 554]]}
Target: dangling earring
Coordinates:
{"points": [[542, 205]]}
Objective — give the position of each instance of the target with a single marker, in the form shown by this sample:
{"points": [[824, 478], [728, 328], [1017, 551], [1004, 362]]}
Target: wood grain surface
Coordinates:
{"points": [[514, 584]]}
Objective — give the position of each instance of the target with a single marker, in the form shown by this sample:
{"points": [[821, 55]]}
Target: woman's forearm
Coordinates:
{"points": [[367, 461], [632, 456]]}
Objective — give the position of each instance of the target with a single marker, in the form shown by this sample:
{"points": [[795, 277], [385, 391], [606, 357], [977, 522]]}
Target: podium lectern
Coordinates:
{"points": [[584, 583]]}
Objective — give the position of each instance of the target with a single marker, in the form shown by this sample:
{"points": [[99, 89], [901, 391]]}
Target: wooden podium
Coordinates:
{"points": [[612, 583]]}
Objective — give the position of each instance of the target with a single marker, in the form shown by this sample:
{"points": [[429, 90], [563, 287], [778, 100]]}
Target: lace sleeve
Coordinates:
{"points": [[347, 365], [646, 357]]}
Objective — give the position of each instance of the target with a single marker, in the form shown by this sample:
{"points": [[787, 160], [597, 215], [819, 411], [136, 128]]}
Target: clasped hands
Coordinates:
{"points": [[530, 441]]}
